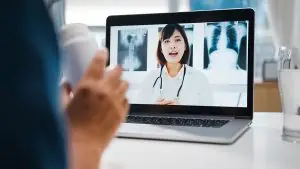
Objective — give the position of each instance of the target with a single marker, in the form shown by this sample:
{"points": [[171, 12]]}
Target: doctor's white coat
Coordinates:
{"points": [[196, 89]]}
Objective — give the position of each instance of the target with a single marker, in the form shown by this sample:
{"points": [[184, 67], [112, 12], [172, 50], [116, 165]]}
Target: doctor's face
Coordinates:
{"points": [[173, 48]]}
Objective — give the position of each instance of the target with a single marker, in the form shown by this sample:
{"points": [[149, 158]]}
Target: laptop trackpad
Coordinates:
{"points": [[141, 128], [148, 130]]}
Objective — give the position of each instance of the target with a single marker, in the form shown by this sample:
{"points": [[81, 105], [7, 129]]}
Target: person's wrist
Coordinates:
{"points": [[80, 137], [86, 152]]}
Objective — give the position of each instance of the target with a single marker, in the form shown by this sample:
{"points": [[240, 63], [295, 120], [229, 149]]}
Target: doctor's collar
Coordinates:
{"points": [[179, 74]]}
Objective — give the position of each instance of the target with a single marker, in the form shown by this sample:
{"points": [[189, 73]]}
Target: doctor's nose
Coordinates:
{"points": [[172, 46]]}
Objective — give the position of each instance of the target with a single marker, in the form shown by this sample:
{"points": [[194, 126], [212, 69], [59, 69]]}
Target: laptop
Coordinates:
{"points": [[190, 73]]}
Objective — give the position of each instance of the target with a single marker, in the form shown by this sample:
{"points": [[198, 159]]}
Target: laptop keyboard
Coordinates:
{"points": [[177, 121]]}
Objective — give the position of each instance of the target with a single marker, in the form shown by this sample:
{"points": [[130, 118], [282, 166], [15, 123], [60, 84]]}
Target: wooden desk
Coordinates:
{"points": [[266, 97]]}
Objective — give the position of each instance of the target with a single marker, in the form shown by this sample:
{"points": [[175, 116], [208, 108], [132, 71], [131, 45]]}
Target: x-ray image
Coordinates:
{"points": [[225, 46], [132, 49], [189, 29]]}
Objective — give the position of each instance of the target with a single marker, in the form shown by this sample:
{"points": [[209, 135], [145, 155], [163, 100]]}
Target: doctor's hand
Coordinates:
{"points": [[98, 106], [166, 102]]}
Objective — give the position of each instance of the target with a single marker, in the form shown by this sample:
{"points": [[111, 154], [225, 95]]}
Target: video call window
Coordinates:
{"points": [[201, 64]]}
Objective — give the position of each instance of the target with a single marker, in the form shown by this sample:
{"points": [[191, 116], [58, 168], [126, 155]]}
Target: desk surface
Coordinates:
{"points": [[261, 147]]}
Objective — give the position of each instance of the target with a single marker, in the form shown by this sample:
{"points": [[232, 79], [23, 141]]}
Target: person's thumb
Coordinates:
{"points": [[97, 66], [66, 95]]}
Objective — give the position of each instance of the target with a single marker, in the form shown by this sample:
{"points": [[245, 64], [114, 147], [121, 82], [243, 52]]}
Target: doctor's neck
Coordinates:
{"points": [[173, 68]]}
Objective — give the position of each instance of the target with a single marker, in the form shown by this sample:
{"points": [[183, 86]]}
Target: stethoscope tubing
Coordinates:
{"points": [[161, 81]]}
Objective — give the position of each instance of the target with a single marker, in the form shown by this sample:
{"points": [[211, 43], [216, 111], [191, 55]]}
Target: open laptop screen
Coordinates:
{"points": [[198, 64]]}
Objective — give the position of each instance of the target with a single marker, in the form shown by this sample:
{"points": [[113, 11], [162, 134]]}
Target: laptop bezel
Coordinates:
{"points": [[193, 17]]}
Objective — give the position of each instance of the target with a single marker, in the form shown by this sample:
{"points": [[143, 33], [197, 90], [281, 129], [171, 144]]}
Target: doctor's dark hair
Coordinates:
{"points": [[166, 33]]}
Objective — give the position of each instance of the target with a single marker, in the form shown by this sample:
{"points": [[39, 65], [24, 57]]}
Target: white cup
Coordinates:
{"points": [[78, 47]]}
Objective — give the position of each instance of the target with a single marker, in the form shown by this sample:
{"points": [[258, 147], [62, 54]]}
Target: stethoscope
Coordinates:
{"points": [[161, 81]]}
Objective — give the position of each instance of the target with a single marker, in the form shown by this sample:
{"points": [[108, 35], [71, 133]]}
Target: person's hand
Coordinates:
{"points": [[98, 106], [166, 102], [66, 95]]}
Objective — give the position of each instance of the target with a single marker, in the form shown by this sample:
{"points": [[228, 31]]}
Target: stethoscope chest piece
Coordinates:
{"points": [[160, 93]]}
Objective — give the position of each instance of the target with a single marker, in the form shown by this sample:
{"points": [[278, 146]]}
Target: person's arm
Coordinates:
{"points": [[31, 126], [83, 155], [34, 134]]}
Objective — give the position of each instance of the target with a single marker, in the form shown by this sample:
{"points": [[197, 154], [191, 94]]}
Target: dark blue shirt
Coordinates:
{"points": [[31, 126]]}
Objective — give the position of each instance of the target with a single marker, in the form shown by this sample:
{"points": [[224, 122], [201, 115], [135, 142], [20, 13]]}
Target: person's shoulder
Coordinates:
{"points": [[197, 79], [191, 69], [151, 75], [195, 73]]}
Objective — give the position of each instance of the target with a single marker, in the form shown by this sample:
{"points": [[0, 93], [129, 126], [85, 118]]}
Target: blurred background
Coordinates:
{"points": [[266, 95], [94, 13]]}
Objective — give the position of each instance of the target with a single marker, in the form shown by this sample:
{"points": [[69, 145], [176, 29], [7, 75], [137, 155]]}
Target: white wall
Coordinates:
{"points": [[99, 33], [95, 12]]}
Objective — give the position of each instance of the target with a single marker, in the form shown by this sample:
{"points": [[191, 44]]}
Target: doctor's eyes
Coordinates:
{"points": [[177, 40], [168, 40]]}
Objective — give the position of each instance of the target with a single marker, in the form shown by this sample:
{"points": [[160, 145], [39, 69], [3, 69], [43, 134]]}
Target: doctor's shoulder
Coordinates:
{"points": [[150, 77], [201, 86], [197, 76]]}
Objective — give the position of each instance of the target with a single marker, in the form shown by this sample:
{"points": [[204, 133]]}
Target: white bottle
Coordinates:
{"points": [[78, 48]]}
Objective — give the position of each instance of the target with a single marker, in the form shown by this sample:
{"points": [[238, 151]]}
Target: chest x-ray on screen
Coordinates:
{"points": [[225, 46], [132, 49]]}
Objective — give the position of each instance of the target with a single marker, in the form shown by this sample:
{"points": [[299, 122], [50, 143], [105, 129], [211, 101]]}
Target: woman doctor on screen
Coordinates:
{"points": [[175, 83]]}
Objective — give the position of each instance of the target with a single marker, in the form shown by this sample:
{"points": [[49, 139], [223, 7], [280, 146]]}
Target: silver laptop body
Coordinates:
{"points": [[231, 113]]}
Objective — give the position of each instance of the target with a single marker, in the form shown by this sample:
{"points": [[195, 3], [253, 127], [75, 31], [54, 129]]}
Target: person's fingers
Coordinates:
{"points": [[167, 102], [113, 78], [97, 65], [120, 94], [159, 100], [126, 107], [66, 94], [121, 91], [164, 102], [173, 102], [66, 88]]}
